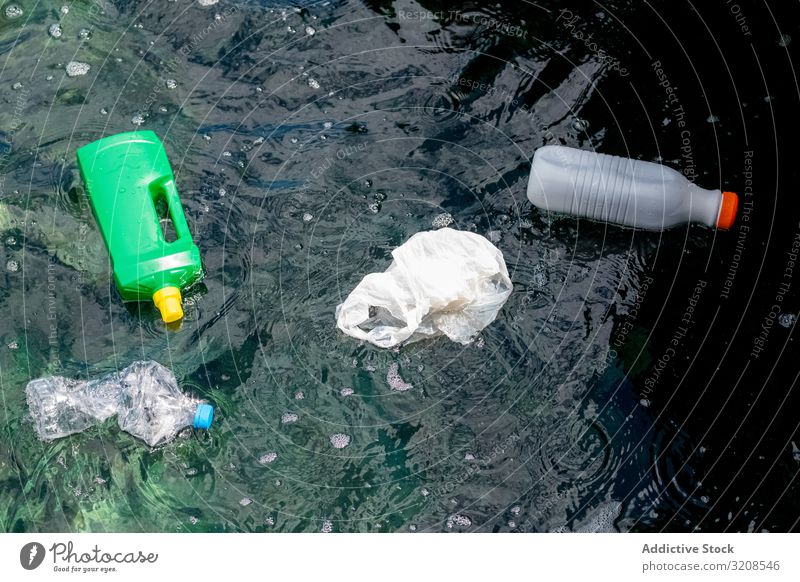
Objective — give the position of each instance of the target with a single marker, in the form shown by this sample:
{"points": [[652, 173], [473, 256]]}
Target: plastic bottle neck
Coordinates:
{"points": [[704, 205]]}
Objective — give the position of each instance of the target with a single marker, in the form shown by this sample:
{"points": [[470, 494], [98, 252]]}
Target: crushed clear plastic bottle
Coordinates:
{"points": [[145, 397]]}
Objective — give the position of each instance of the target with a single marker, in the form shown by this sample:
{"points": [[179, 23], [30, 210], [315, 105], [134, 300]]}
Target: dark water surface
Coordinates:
{"points": [[633, 381]]}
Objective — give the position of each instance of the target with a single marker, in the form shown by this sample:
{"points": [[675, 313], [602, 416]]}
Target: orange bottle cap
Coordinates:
{"points": [[727, 210]]}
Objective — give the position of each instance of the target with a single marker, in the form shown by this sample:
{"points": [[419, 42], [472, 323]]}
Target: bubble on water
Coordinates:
{"points": [[327, 526], [645, 403], [222, 191], [313, 83], [13, 11], [412, 527], [269, 520], [299, 396], [293, 140], [346, 391], [308, 217], [16, 86], [311, 31], [226, 154], [137, 119], [339, 440], [245, 501], [267, 458], [442, 220], [171, 84], [795, 452], [579, 124], [539, 275], [459, 520], [327, 124], [395, 381], [11, 241], [469, 457], [13, 345], [77, 68], [12, 266], [103, 111], [290, 29], [206, 137], [207, 2], [786, 319], [375, 207], [289, 417], [424, 492], [162, 109], [48, 78], [55, 30], [84, 34], [516, 510], [712, 119], [494, 236], [480, 342], [65, 9], [602, 519], [193, 520], [784, 40], [512, 524]]}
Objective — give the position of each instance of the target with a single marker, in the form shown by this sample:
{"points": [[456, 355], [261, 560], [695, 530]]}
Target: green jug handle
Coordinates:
{"points": [[175, 209]]}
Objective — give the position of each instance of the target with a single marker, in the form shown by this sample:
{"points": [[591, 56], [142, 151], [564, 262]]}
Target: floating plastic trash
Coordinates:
{"points": [[623, 191], [442, 282], [132, 192], [144, 396]]}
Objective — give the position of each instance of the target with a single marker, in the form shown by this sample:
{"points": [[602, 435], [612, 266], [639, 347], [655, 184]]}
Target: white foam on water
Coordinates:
{"points": [[308, 217], [346, 391], [171, 84], [313, 83], [395, 381], [267, 458], [245, 501], [311, 31], [55, 30], [13, 11], [459, 520], [207, 2], [77, 68], [602, 520], [339, 440], [299, 396], [12, 266], [289, 417], [327, 526], [442, 220], [137, 119]]}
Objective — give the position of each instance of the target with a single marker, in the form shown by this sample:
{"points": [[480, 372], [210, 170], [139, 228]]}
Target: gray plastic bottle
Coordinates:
{"points": [[623, 191], [144, 396]]}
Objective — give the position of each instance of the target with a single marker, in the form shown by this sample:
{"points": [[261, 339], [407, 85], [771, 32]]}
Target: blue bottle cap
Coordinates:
{"points": [[203, 416]]}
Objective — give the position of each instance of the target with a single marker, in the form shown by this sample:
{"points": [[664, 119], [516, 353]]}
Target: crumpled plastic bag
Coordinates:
{"points": [[444, 281]]}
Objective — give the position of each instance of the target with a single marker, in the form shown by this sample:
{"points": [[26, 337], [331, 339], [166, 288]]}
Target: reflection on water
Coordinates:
{"points": [[308, 141]]}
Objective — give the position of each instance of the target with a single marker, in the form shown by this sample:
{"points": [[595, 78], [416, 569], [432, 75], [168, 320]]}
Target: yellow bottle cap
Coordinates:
{"points": [[168, 301]]}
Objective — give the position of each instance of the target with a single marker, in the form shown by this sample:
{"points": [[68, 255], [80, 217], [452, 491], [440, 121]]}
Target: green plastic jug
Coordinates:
{"points": [[128, 179]]}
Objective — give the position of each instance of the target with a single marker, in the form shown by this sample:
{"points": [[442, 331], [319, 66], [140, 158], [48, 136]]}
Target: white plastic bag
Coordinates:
{"points": [[444, 281]]}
